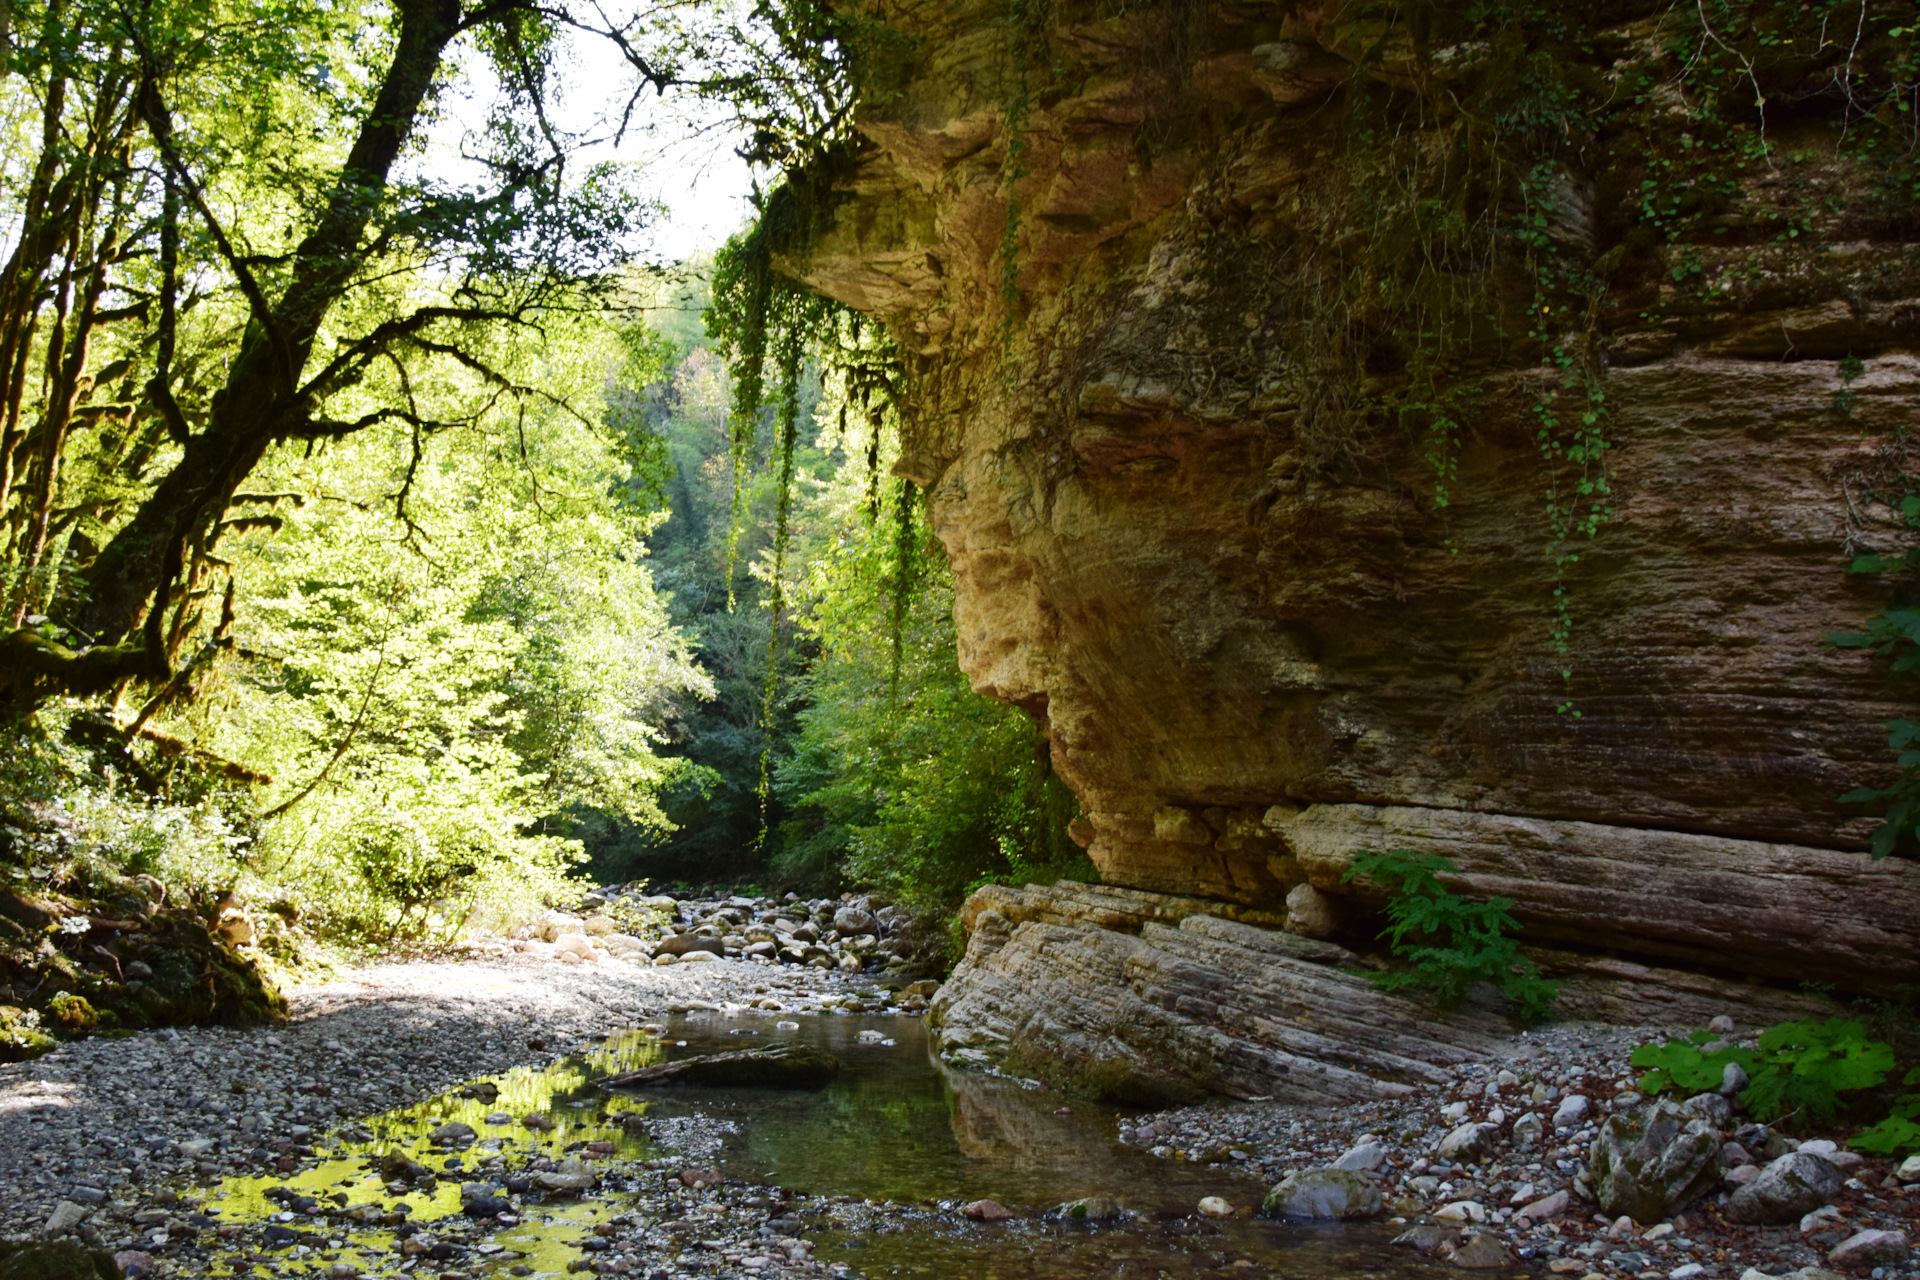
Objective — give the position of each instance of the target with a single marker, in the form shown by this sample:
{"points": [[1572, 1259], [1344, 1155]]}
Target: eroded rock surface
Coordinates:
{"points": [[1234, 625], [1188, 1004]]}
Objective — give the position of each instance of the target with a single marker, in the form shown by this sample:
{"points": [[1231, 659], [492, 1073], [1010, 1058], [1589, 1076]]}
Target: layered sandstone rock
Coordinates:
{"points": [[1218, 604], [1780, 911], [1183, 1004]]}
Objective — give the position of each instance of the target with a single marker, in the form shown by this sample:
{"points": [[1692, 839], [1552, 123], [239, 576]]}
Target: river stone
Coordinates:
{"points": [[852, 921], [1311, 913], [1797, 1183], [1571, 1112], [1427, 1237], [987, 1211], [1870, 1248], [1323, 1193], [1469, 1144], [1711, 1107], [65, 1217], [1550, 1207], [451, 1132], [781, 1066], [54, 1260], [1215, 1207], [682, 944], [1090, 1209], [1361, 1158], [571, 1174], [1480, 1251], [1651, 1162]]}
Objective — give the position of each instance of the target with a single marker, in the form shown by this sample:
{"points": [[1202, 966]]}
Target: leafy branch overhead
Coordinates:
{"points": [[205, 284]]}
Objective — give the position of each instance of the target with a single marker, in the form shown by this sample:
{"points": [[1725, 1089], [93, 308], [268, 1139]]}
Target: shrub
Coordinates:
{"points": [[1899, 1133], [1800, 1069], [1448, 942]]}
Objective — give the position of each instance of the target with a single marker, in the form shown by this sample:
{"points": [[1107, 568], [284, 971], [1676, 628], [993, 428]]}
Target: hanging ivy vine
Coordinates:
{"points": [[1450, 234], [763, 323]]}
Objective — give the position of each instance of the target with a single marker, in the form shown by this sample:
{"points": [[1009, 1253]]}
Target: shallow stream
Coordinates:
{"points": [[896, 1125]]}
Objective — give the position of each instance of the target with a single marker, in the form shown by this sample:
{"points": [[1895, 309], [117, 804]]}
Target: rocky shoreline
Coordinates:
{"points": [[113, 1142], [1492, 1161], [1493, 1167]]}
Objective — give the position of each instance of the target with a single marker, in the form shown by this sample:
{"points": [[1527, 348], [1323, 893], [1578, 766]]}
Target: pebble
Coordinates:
{"points": [[1545, 1185]]}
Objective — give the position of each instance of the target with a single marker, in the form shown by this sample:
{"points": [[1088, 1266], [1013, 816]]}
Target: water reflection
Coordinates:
{"points": [[896, 1125]]}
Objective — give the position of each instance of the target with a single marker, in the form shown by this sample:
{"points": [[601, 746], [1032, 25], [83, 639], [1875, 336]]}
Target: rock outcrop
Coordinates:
{"points": [[1258, 639], [1165, 1004]]}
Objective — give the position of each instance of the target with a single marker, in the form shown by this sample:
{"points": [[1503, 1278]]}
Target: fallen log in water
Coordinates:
{"points": [[785, 1066]]}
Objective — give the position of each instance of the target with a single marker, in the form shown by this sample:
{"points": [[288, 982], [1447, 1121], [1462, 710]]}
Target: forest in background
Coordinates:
{"points": [[390, 548]]}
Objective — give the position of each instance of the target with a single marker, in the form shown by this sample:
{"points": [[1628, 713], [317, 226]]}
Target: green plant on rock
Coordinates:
{"points": [[1693, 1065], [1899, 1133], [1894, 634], [1798, 1071], [72, 1014], [1448, 942], [21, 1036]]}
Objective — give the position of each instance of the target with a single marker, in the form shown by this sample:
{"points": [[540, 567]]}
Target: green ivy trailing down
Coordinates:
{"points": [[1796, 1074], [758, 318], [1895, 634], [1449, 942]]}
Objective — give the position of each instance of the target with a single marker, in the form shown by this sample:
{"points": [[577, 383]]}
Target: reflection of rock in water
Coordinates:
{"points": [[996, 1120]]}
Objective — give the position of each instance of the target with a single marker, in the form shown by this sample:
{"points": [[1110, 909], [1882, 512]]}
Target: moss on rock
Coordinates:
{"points": [[54, 1260], [21, 1037]]}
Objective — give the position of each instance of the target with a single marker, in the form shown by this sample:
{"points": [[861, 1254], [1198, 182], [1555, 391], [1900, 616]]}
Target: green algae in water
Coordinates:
{"points": [[897, 1125], [545, 1239]]}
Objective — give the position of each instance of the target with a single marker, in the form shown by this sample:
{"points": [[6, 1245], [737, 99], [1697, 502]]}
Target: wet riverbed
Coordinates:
{"points": [[896, 1126]]}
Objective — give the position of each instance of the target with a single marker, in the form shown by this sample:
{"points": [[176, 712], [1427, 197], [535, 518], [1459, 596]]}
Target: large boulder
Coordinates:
{"points": [[1797, 1183], [852, 921], [1323, 1193], [1469, 1144], [1653, 1161]]}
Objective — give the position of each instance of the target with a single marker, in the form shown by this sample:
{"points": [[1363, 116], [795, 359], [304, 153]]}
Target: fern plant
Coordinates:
{"points": [[1448, 942]]}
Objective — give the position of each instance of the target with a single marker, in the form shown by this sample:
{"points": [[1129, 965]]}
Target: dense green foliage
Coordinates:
{"points": [[330, 483], [1447, 942], [1899, 1132], [882, 768], [1796, 1074]]}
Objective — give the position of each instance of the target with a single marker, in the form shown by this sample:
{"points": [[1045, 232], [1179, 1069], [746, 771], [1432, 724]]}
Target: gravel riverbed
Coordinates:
{"points": [[125, 1130], [124, 1143], [1504, 1149]]}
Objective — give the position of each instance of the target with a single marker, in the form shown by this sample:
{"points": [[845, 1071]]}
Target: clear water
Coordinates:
{"points": [[896, 1125]]}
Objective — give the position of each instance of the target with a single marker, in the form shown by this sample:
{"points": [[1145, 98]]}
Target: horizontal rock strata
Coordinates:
{"points": [[1775, 910], [1221, 590], [1193, 1004]]}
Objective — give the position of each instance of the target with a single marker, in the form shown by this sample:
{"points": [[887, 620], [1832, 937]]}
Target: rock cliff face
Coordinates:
{"points": [[1227, 588]]}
